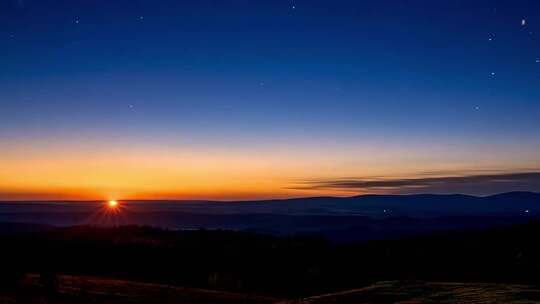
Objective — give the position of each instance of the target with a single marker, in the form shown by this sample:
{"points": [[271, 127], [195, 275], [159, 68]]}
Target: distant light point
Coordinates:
{"points": [[141, 17], [76, 21], [537, 60], [526, 210], [523, 22], [490, 39], [492, 74]]}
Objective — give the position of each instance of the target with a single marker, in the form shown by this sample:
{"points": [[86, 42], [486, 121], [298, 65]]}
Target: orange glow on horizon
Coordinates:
{"points": [[138, 174], [76, 170]]}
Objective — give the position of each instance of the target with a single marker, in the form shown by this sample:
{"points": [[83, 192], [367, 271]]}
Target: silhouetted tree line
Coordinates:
{"points": [[279, 266]]}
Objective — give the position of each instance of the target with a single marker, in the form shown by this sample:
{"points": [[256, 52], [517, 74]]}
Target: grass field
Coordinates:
{"points": [[424, 292], [81, 289]]}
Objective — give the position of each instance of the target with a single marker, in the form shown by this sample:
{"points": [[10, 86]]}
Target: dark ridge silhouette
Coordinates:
{"points": [[412, 204], [350, 218]]}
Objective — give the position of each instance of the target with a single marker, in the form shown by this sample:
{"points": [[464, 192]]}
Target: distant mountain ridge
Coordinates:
{"points": [[360, 217], [413, 205]]}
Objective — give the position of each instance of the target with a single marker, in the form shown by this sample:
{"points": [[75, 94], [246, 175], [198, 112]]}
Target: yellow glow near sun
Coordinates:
{"points": [[113, 204]]}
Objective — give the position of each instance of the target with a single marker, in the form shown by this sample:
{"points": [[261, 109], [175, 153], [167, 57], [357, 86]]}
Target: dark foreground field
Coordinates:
{"points": [[83, 289], [80, 289], [86, 264], [427, 292]]}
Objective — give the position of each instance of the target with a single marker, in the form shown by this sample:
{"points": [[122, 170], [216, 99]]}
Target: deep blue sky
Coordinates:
{"points": [[359, 86]]}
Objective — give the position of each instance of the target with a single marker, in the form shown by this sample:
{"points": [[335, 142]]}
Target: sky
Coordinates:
{"points": [[267, 99]]}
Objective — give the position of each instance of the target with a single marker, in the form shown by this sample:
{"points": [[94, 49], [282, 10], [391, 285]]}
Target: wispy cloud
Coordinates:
{"points": [[470, 184]]}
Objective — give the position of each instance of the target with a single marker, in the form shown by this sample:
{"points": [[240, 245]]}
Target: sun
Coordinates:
{"points": [[113, 204]]}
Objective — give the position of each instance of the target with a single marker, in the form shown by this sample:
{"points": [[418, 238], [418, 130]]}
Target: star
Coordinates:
{"points": [[523, 22], [141, 17], [537, 60], [490, 39], [477, 108], [492, 73], [76, 21]]}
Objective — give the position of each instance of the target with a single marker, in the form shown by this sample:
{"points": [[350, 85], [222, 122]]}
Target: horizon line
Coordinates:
{"points": [[260, 200]]}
